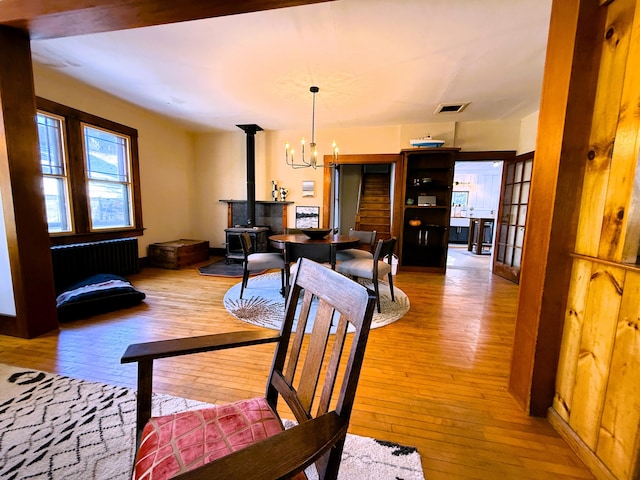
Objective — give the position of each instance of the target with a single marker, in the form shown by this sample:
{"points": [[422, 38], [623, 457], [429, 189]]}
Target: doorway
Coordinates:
{"points": [[331, 201], [364, 198], [332, 185], [474, 203]]}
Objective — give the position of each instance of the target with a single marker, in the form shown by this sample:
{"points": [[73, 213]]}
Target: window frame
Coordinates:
{"points": [[90, 180], [64, 176], [74, 121]]}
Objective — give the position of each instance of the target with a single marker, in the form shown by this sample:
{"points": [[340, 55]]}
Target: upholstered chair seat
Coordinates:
{"points": [[362, 268], [265, 261], [367, 242], [178, 443], [353, 253]]}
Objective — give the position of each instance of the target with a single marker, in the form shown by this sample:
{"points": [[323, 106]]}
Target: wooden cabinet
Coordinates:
{"points": [[427, 186], [459, 235]]}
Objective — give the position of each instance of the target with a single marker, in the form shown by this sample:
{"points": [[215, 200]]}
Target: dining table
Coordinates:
{"points": [[335, 242]]}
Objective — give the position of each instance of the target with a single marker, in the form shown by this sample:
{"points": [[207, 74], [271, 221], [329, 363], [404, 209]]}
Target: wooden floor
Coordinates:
{"points": [[436, 379]]}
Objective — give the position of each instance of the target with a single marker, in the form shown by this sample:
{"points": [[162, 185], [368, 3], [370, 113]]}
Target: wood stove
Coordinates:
{"points": [[259, 235]]}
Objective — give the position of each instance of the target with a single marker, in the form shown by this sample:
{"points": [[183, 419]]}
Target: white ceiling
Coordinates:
{"points": [[376, 62]]}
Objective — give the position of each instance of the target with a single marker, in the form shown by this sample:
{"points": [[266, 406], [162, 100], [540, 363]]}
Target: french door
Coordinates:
{"points": [[512, 216]]}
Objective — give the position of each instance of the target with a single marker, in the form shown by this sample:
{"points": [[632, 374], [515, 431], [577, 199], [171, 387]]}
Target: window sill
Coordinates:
{"points": [[68, 239]]}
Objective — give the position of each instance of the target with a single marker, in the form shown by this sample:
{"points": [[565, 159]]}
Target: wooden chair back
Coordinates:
{"points": [[301, 361], [321, 253], [384, 250], [246, 244]]}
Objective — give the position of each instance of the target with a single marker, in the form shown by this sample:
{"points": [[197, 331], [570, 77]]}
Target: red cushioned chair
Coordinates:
{"points": [[246, 439]]}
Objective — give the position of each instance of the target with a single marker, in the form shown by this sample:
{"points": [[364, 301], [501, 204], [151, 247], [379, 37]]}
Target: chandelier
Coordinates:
{"points": [[289, 153]]}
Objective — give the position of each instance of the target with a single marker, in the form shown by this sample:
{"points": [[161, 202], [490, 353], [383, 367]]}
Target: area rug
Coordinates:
{"points": [[59, 428], [220, 268], [263, 305]]}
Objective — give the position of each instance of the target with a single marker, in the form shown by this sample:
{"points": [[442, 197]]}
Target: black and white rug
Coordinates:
{"points": [[263, 305], [59, 428]]}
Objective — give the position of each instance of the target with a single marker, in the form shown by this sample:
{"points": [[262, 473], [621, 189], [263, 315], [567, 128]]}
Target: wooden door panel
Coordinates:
{"points": [[512, 216]]}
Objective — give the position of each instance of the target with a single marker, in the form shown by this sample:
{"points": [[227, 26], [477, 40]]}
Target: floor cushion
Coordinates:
{"points": [[97, 294]]}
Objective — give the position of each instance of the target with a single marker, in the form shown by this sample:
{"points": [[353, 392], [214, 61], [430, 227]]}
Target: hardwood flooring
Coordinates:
{"points": [[436, 379]]}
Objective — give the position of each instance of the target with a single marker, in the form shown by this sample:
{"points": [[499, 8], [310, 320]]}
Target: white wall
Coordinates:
{"points": [[222, 156], [184, 176], [495, 135], [7, 301], [166, 149], [482, 180], [528, 133], [220, 160]]}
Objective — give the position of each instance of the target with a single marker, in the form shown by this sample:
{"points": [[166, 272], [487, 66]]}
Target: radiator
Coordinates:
{"points": [[72, 263]]}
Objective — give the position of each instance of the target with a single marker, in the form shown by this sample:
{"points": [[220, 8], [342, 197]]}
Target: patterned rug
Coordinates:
{"points": [[263, 305], [59, 428]]}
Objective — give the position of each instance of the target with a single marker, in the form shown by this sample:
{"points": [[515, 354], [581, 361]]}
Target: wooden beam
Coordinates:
{"points": [[568, 93], [64, 18], [22, 193]]}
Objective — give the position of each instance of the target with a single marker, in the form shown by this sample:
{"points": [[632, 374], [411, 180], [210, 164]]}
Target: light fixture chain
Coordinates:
{"points": [[313, 118]]}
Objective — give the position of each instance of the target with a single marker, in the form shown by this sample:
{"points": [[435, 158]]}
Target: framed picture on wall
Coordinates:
{"points": [[308, 188], [307, 217], [459, 199]]}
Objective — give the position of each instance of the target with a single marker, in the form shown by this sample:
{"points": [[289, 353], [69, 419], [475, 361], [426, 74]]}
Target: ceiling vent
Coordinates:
{"points": [[451, 107]]}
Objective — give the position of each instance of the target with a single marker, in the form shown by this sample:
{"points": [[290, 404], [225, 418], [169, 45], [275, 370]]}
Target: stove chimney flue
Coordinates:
{"points": [[251, 130]]}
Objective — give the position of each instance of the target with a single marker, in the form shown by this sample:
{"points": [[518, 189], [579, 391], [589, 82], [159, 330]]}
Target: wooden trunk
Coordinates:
{"points": [[178, 253]]}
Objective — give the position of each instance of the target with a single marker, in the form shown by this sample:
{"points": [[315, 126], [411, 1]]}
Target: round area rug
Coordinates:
{"points": [[263, 305]]}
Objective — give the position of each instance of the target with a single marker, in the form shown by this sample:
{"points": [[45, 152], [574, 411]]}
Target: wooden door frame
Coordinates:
{"points": [[576, 30], [485, 155], [366, 159]]}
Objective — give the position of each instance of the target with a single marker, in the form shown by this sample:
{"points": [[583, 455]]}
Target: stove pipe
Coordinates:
{"points": [[251, 130]]}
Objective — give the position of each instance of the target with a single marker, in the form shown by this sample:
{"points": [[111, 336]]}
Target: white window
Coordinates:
{"points": [[108, 168], [90, 173], [54, 169]]}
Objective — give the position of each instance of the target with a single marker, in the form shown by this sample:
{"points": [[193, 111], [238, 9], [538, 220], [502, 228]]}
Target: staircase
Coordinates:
{"points": [[375, 204]]}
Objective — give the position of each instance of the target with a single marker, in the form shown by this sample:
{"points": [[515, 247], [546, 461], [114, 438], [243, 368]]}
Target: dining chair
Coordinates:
{"points": [[316, 379], [365, 250], [373, 268], [318, 252], [259, 262], [322, 253]]}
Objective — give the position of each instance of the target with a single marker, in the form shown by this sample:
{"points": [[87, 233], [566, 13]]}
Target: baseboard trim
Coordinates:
{"points": [[588, 457]]}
